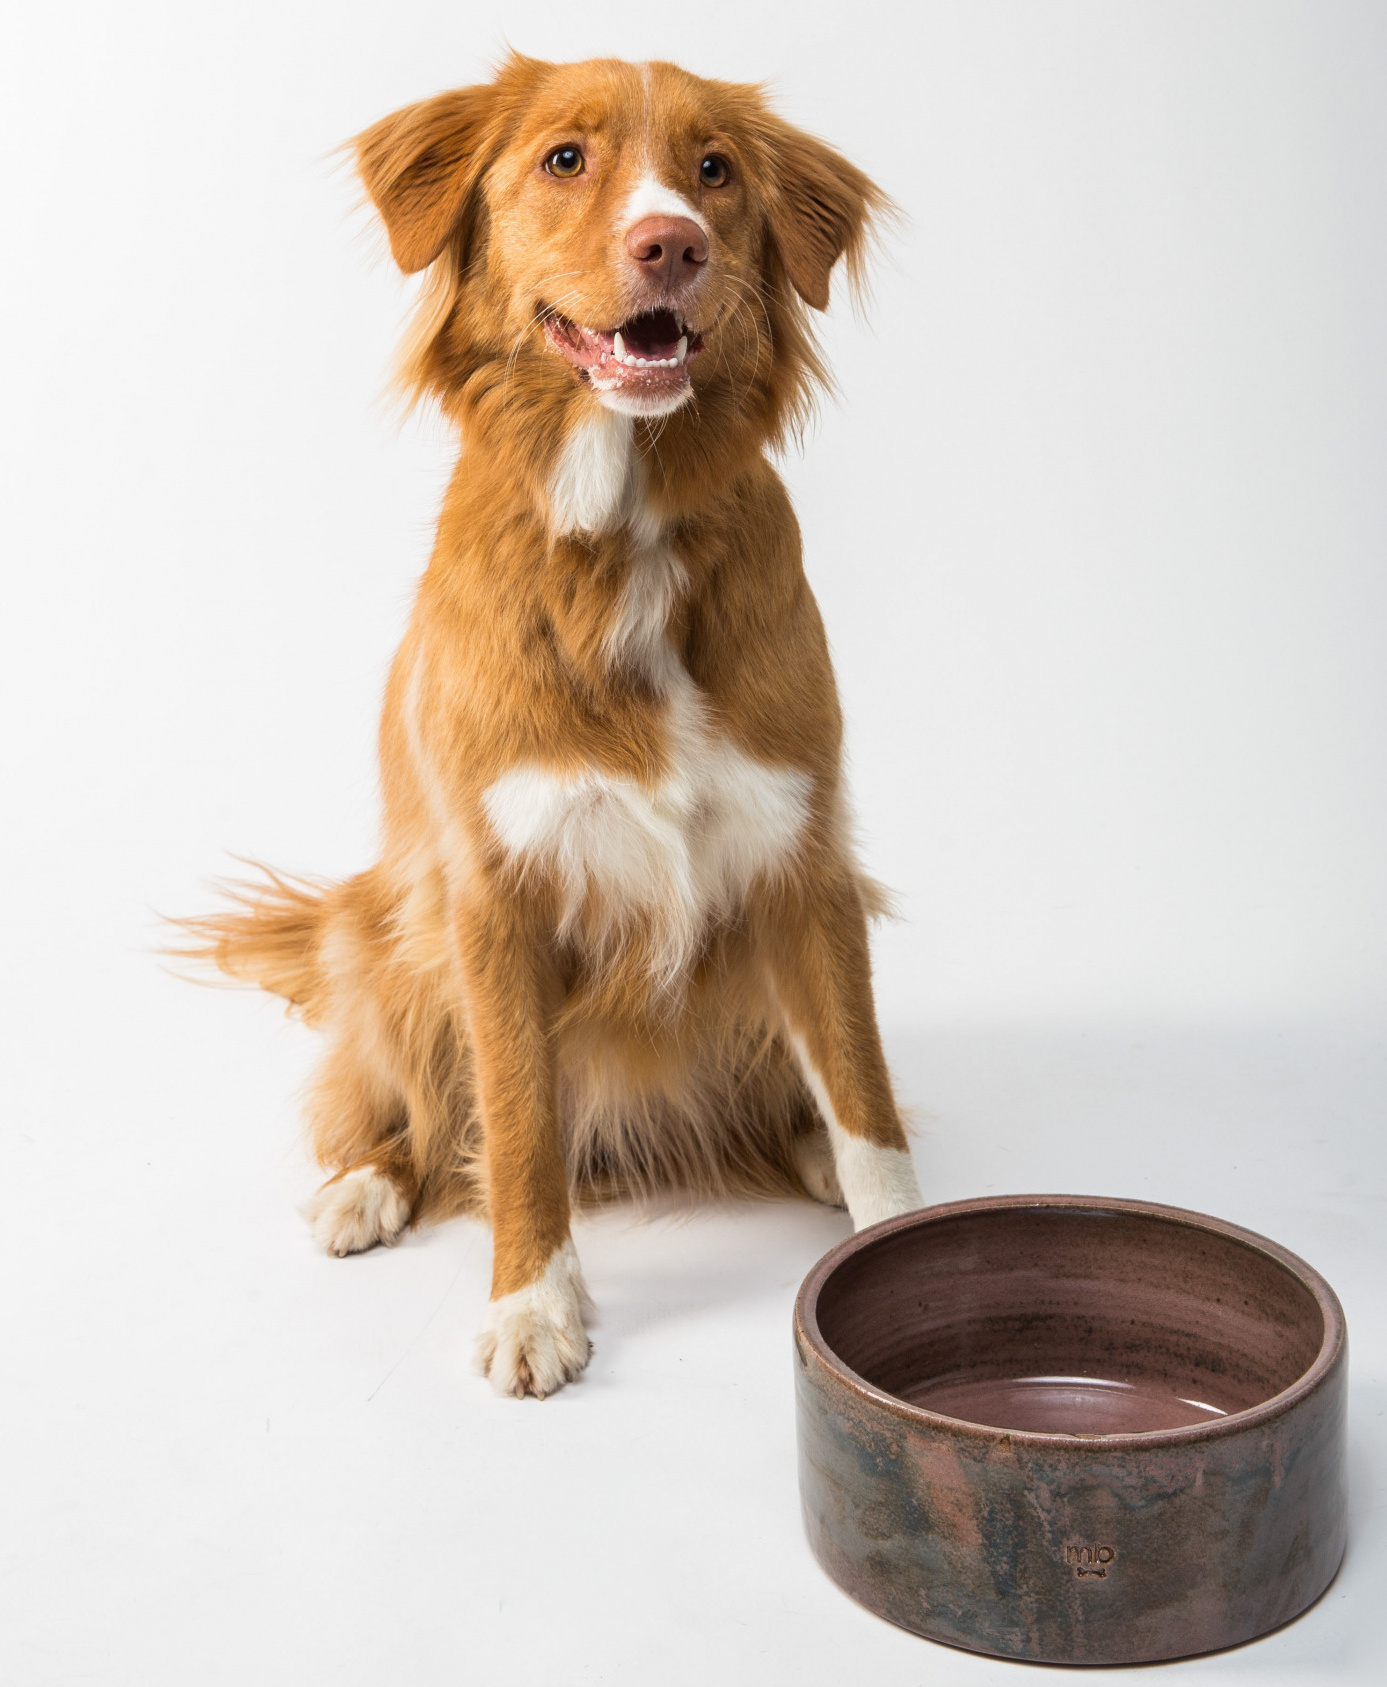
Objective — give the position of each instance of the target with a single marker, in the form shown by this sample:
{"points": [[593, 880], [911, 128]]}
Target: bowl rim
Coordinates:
{"points": [[1331, 1351]]}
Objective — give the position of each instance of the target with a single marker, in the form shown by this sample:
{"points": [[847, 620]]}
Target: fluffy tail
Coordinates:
{"points": [[270, 936]]}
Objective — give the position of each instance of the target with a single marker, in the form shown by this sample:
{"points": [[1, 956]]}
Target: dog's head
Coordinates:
{"points": [[632, 229]]}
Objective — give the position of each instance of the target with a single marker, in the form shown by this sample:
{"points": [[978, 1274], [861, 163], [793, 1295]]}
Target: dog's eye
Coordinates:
{"points": [[564, 161], [713, 171]]}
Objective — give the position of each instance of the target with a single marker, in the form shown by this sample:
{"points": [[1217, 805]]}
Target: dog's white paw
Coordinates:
{"points": [[878, 1182], [814, 1163], [533, 1341], [357, 1210]]}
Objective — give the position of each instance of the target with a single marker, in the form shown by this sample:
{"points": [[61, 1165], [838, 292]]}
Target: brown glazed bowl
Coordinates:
{"points": [[1072, 1430]]}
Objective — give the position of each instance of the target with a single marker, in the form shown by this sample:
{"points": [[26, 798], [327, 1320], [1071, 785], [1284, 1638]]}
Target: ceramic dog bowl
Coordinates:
{"points": [[1072, 1430]]}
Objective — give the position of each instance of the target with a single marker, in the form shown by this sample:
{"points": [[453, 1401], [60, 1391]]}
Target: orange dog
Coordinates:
{"points": [[617, 937]]}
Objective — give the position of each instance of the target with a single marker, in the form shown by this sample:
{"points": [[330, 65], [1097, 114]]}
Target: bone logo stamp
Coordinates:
{"points": [[1090, 1560]]}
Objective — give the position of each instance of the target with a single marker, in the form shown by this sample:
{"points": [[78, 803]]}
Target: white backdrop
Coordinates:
{"points": [[1098, 529]]}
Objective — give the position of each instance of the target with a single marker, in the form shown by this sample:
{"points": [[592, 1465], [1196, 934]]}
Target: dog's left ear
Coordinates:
{"points": [[422, 167], [820, 209]]}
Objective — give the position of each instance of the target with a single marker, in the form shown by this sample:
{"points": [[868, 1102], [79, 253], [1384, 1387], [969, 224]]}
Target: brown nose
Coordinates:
{"points": [[670, 250]]}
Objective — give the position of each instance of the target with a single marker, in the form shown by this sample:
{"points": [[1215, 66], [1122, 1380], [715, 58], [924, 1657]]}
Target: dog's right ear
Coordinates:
{"points": [[422, 167]]}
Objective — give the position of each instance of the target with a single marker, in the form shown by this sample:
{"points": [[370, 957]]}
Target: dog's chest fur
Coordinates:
{"points": [[654, 863]]}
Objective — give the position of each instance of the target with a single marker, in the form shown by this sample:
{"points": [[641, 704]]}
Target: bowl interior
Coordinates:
{"points": [[1074, 1321]]}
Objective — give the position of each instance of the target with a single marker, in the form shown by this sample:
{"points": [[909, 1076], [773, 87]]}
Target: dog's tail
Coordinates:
{"points": [[271, 935]]}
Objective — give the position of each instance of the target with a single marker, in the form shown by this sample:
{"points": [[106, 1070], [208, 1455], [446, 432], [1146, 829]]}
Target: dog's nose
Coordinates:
{"points": [[670, 250]]}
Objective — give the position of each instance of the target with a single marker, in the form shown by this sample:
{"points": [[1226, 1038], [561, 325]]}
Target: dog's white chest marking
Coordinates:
{"points": [[591, 485], [672, 858], [675, 857]]}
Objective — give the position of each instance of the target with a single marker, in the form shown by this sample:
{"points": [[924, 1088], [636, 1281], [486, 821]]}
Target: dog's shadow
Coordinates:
{"points": [[662, 1265], [654, 1267]]}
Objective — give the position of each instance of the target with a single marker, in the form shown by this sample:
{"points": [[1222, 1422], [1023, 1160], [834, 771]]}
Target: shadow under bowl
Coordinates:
{"points": [[1072, 1430]]}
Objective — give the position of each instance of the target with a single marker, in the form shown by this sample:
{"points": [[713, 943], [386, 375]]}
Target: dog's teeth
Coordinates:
{"points": [[630, 360], [681, 352], [618, 347]]}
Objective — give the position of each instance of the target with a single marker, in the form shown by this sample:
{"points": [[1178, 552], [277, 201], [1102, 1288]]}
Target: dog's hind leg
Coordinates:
{"points": [[391, 1114], [813, 1156], [356, 1210], [358, 1122]]}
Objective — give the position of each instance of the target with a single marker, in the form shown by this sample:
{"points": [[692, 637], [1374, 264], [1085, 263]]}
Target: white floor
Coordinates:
{"points": [[232, 1460]]}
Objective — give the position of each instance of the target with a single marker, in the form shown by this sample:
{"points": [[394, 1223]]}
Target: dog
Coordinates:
{"points": [[616, 941]]}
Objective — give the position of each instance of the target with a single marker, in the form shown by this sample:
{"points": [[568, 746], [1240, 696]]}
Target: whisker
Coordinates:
{"points": [[542, 314]]}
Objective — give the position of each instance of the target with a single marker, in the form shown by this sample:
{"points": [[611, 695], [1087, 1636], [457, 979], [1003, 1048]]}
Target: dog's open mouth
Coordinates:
{"points": [[648, 353]]}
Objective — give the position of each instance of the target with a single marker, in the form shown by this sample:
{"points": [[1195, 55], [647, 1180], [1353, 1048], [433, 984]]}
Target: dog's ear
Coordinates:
{"points": [[820, 208], [422, 167]]}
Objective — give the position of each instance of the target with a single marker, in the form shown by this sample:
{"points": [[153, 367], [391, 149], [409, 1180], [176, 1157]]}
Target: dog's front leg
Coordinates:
{"points": [[821, 972], [532, 1338]]}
